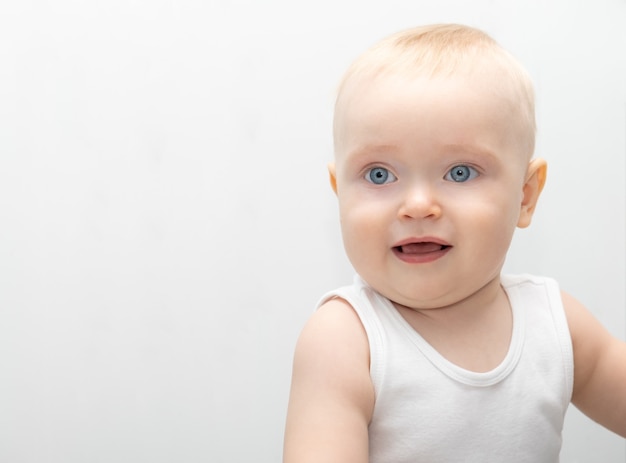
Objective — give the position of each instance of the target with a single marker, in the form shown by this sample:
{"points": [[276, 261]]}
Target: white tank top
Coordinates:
{"points": [[430, 410]]}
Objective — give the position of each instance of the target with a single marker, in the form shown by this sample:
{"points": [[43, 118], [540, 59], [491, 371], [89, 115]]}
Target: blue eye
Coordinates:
{"points": [[461, 173], [379, 176]]}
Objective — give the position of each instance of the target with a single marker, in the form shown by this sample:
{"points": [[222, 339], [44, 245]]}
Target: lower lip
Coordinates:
{"points": [[421, 258]]}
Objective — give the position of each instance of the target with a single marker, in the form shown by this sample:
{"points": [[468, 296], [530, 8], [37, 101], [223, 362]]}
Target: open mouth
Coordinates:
{"points": [[421, 251], [421, 248]]}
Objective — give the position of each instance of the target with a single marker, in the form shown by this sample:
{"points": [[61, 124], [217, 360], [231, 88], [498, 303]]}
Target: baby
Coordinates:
{"points": [[432, 355]]}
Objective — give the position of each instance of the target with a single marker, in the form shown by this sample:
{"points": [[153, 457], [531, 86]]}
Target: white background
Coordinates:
{"points": [[166, 224]]}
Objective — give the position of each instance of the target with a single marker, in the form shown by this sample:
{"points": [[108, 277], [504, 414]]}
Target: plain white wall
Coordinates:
{"points": [[166, 225]]}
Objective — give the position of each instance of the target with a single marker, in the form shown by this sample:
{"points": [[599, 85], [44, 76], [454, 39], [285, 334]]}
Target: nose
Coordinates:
{"points": [[420, 202]]}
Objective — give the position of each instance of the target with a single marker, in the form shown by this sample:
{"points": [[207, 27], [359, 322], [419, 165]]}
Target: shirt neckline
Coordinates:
{"points": [[455, 372]]}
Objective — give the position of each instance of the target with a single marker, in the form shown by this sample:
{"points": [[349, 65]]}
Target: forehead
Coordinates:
{"points": [[453, 110], [485, 68]]}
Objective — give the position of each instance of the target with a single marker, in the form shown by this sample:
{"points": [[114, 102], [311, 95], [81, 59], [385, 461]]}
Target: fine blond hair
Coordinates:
{"points": [[443, 50]]}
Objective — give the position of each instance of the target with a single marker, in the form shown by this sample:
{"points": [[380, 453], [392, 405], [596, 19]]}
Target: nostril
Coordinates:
{"points": [[420, 210]]}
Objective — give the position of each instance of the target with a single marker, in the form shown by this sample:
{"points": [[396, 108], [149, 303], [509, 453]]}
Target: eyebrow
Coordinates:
{"points": [[381, 149], [371, 150], [470, 148]]}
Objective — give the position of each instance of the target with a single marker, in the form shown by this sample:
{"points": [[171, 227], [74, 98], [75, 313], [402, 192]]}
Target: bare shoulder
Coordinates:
{"points": [[334, 322], [599, 368], [332, 398], [333, 344]]}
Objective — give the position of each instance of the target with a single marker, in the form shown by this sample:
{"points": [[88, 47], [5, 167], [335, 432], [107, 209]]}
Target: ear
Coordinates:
{"points": [[333, 176], [533, 185]]}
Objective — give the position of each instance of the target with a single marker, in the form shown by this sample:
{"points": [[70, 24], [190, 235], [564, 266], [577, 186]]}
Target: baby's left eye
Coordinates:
{"points": [[461, 173]]}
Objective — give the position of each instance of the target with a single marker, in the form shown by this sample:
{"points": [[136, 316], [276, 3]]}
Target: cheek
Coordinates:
{"points": [[357, 222], [364, 225], [492, 221], [501, 202]]}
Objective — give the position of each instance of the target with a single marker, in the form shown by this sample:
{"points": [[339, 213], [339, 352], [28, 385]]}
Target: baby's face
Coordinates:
{"points": [[429, 179]]}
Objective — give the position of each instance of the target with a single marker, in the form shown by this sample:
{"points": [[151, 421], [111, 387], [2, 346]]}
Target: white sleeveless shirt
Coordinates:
{"points": [[430, 410]]}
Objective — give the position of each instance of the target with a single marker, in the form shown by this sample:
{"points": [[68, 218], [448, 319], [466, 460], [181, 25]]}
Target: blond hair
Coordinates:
{"points": [[444, 50]]}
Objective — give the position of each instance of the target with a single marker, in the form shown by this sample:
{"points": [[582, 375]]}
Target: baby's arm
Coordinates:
{"points": [[599, 368], [332, 396]]}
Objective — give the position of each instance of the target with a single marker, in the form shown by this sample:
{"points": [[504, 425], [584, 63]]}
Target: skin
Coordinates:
{"points": [[433, 246]]}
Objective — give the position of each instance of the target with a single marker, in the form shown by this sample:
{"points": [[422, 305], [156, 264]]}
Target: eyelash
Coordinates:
{"points": [[378, 175]]}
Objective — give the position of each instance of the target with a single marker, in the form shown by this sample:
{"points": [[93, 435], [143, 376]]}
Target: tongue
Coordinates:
{"points": [[420, 248]]}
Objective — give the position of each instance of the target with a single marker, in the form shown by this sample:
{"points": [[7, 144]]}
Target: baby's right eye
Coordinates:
{"points": [[379, 176]]}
